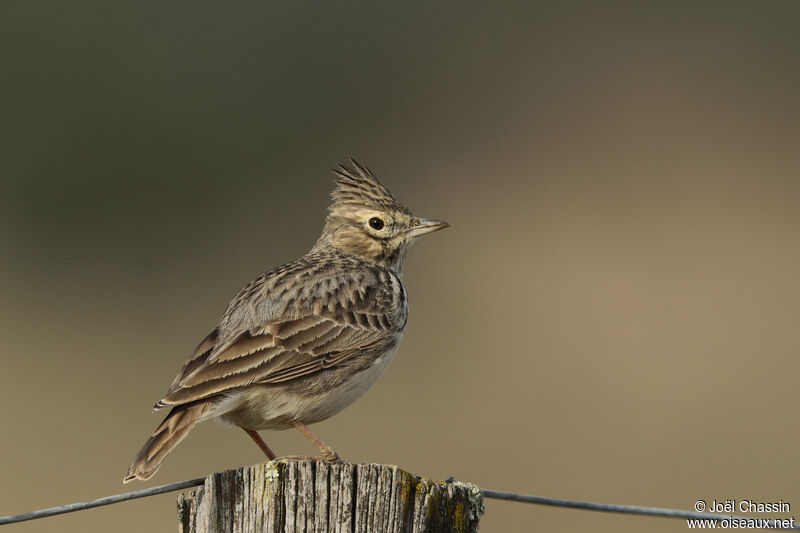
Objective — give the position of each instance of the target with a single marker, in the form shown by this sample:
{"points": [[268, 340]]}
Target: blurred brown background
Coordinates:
{"points": [[612, 316]]}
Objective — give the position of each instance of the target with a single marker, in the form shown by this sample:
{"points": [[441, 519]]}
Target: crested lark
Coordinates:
{"points": [[303, 341]]}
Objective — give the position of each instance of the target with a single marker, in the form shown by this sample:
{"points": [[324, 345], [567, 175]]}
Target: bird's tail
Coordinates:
{"points": [[168, 434]]}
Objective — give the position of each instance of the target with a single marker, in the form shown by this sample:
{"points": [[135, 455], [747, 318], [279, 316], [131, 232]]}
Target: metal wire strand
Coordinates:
{"points": [[616, 508], [99, 502], [487, 493]]}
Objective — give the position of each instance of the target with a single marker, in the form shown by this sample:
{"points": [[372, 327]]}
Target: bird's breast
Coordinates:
{"points": [[323, 405]]}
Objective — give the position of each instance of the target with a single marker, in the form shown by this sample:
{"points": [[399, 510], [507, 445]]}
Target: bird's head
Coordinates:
{"points": [[366, 221]]}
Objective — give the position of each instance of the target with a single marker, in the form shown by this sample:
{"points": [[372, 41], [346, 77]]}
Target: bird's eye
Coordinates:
{"points": [[375, 223]]}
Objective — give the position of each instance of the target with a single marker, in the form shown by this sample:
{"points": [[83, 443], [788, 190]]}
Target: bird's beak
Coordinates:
{"points": [[421, 226]]}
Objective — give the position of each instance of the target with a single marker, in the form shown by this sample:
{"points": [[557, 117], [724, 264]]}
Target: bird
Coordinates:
{"points": [[304, 340]]}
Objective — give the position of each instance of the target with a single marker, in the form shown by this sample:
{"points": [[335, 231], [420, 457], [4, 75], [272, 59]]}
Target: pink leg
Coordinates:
{"points": [[327, 452], [261, 444]]}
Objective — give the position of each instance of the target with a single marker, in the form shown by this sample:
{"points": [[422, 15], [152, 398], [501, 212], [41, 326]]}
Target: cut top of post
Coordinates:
{"points": [[321, 496]]}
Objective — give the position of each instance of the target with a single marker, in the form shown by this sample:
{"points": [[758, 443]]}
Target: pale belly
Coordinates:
{"points": [[275, 406]]}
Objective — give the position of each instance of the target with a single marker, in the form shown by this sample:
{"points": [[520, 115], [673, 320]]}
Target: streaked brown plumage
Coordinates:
{"points": [[303, 341]]}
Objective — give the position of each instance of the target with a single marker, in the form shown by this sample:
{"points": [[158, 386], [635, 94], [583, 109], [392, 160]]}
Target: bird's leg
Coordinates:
{"points": [[261, 444], [327, 452]]}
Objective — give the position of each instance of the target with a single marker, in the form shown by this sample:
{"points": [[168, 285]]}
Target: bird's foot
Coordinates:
{"points": [[327, 452]]}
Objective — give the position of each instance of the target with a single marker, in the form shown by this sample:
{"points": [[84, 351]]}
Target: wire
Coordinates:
{"points": [[99, 502], [487, 493], [624, 509]]}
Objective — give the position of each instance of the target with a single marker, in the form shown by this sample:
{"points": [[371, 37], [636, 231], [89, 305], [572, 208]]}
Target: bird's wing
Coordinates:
{"points": [[321, 324]]}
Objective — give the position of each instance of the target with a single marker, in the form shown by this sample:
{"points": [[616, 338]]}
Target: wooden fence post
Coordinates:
{"points": [[318, 496]]}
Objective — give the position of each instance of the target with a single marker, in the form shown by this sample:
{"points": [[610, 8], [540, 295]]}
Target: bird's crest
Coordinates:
{"points": [[358, 187]]}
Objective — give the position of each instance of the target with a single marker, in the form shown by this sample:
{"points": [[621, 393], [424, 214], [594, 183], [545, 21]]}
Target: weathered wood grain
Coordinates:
{"points": [[319, 497]]}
